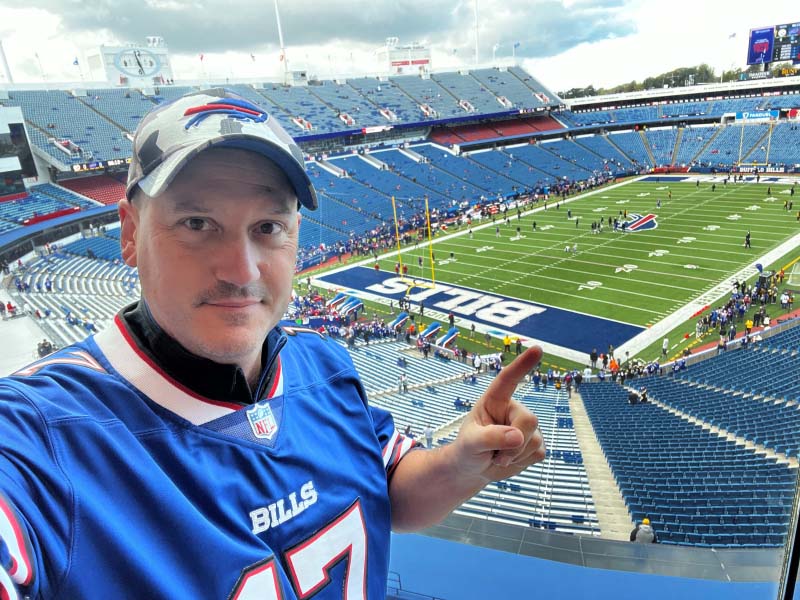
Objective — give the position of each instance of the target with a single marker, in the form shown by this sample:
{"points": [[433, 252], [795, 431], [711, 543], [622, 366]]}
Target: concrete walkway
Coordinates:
{"points": [[612, 514]]}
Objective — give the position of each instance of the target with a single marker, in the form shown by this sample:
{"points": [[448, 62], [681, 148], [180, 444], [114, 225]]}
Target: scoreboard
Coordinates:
{"points": [[774, 44], [786, 46]]}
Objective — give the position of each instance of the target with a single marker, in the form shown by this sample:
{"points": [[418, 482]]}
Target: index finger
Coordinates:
{"points": [[505, 384]]}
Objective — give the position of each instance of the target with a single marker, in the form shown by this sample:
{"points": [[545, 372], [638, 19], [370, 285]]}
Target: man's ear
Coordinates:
{"points": [[129, 225]]}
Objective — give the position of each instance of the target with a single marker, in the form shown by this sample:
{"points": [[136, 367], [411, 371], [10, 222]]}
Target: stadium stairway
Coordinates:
{"points": [[612, 514], [647, 147], [707, 144], [675, 149]]}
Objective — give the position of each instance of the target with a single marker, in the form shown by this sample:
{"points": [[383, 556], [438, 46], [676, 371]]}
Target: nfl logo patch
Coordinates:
{"points": [[262, 421]]}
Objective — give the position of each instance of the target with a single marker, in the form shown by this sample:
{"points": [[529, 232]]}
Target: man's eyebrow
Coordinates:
{"points": [[188, 205]]}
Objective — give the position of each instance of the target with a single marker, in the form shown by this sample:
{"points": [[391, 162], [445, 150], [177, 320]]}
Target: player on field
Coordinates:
{"points": [[196, 448]]}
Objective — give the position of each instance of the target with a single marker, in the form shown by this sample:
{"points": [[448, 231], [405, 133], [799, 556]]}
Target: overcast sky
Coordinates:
{"points": [[565, 43]]}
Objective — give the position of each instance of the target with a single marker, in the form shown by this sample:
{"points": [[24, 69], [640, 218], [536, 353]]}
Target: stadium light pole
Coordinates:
{"points": [[283, 48], [6, 70], [476, 33]]}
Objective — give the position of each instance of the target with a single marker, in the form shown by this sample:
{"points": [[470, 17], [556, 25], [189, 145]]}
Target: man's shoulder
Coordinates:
{"points": [[313, 352], [61, 383]]}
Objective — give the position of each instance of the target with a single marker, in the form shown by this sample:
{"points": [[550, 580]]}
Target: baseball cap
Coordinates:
{"points": [[172, 134]]}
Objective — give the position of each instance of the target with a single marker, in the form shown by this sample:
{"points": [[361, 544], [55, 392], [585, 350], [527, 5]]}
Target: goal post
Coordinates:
{"points": [[409, 279]]}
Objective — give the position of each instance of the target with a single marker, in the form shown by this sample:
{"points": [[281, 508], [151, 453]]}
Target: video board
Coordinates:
{"points": [[780, 43]]}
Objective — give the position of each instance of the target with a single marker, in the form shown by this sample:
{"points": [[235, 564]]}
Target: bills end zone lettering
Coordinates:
{"points": [[565, 328], [463, 302], [641, 222]]}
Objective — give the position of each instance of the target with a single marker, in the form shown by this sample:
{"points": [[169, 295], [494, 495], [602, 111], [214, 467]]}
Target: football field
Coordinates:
{"points": [[611, 286]]}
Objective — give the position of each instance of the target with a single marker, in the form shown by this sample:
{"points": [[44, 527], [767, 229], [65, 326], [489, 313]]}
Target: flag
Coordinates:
{"points": [[253, 57], [731, 36], [760, 267], [75, 62], [202, 56], [517, 44]]}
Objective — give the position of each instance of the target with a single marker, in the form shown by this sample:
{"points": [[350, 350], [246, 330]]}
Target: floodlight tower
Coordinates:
{"points": [[6, 70], [476, 33], [284, 60]]}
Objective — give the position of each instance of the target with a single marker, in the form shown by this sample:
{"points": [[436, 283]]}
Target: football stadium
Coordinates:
{"points": [[648, 241]]}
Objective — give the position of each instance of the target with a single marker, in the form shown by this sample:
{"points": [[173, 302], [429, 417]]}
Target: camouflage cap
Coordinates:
{"points": [[172, 134]]}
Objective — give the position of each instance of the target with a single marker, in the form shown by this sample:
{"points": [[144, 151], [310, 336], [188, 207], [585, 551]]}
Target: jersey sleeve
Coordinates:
{"points": [[16, 556], [394, 445], [35, 501]]}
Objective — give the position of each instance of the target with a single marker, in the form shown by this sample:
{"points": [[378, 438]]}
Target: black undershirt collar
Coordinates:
{"points": [[222, 382]]}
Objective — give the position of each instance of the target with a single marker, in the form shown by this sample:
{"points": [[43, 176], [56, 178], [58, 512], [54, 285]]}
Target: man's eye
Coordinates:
{"points": [[269, 228], [196, 224]]}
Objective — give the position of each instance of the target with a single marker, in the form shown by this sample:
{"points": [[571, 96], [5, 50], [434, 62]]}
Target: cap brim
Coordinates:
{"points": [[158, 180]]}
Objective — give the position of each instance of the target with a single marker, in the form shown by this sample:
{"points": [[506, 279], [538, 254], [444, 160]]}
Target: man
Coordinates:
{"points": [[428, 433], [198, 449], [644, 533]]}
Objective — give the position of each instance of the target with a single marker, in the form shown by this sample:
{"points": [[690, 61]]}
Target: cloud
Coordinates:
{"points": [[544, 27]]}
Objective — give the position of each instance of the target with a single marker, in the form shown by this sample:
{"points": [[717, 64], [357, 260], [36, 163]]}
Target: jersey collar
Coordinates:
{"points": [[166, 372]]}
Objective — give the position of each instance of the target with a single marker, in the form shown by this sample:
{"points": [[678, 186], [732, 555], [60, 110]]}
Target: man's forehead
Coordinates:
{"points": [[228, 173]]}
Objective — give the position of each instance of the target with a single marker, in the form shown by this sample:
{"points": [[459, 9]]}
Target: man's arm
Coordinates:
{"points": [[16, 562], [499, 438]]}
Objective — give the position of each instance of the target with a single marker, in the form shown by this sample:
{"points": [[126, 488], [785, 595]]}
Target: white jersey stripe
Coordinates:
{"points": [[7, 589], [152, 382], [12, 535], [388, 449]]}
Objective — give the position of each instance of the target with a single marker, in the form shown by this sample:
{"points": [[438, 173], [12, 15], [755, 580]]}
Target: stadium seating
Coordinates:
{"points": [[427, 92], [685, 109], [430, 176], [549, 162], [389, 184], [494, 183], [387, 95], [696, 487], [466, 87], [58, 115], [507, 84], [42, 200], [102, 188], [600, 145], [344, 100], [783, 145], [542, 96], [298, 102], [732, 143], [785, 101], [632, 145], [553, 494], [692, 141], [569, 151], [508, 162], [662, 144], [123, 107]]}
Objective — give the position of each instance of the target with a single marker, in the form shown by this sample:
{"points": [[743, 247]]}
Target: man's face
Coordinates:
{"points": [[216, 254]]}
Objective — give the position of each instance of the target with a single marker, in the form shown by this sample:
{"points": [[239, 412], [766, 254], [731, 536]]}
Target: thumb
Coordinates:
{"points": [[493, 438], [498, 394]]}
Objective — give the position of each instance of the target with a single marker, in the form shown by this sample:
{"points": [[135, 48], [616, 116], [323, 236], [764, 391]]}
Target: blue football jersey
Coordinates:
{"points": [[116, 481]]}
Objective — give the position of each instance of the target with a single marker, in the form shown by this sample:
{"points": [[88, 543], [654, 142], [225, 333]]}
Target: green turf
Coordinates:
{"points": [[643, 276]]}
